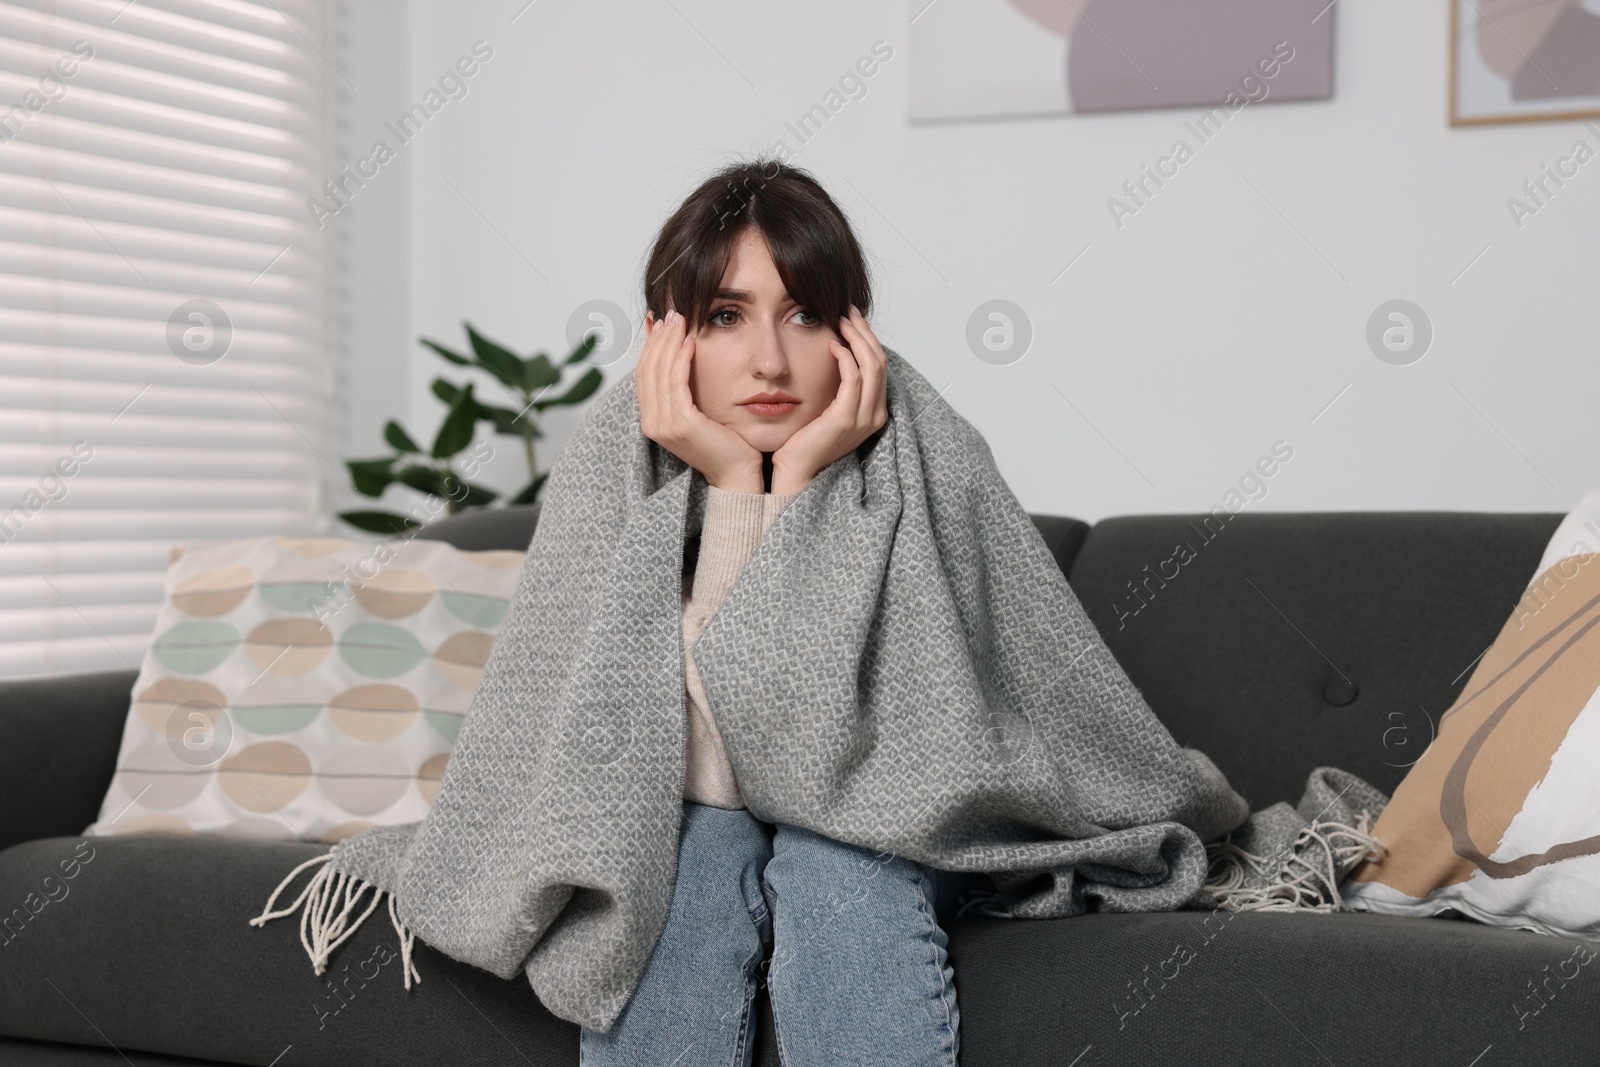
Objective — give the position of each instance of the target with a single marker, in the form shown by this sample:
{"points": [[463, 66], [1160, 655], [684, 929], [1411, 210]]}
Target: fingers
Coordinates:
{"points": [[857, 322], [679, 344], [680, 425], [667, 353], [680, 352], [848, 400], [650, 389], [871, 402], [641, 377], [656, 371]]}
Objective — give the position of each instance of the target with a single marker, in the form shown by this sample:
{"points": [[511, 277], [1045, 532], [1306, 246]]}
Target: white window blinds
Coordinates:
{"points": [[164, 355]]}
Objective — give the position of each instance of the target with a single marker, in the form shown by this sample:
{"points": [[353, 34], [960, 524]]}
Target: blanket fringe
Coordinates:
{"points": [[322, 928], [1303, 883]]}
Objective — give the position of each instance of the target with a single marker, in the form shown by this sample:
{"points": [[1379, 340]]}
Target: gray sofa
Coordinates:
{"points": [[1287, 642]]}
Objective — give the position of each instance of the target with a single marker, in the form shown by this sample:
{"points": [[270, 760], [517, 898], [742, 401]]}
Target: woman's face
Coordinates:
{"points": [[757, 341]]}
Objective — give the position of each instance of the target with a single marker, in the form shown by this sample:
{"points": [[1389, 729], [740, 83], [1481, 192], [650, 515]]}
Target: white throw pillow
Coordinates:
{"points": [[1500, 818], [304, 688]]}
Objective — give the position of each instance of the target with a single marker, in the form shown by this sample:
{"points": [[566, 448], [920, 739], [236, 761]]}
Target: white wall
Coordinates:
{"points": [[372, 237], [1225, 316]]}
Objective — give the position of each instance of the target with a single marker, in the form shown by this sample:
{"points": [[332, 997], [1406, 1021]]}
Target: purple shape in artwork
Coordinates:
{"points": [[1565, 63], [1172, 53]]}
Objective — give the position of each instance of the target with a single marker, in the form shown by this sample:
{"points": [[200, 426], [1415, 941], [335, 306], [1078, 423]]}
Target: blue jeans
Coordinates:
{"points": [[858, 972]]}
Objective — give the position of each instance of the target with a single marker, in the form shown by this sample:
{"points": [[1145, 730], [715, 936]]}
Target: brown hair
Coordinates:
{"points": [[812, 245]]}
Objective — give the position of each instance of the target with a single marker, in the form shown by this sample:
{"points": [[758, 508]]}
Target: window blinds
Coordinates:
{"points": [[164, 360]]}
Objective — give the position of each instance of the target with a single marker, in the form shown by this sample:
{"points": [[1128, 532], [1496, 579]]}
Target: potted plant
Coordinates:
{"points": [[528, 380]]}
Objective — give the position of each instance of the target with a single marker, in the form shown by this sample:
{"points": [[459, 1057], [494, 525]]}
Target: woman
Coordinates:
{"points": [[769, 374], [786, 664]]}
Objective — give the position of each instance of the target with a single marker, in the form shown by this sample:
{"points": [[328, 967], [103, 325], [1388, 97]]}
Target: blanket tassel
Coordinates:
{"points": [[325, 923], [1302, 884]]}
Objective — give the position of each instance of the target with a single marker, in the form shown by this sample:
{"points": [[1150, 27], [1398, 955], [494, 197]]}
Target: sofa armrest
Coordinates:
{"points": [[59, 751]]}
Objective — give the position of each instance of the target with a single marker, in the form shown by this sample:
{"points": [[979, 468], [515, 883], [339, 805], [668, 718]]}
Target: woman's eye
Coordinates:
{"points": [[716, 317]]}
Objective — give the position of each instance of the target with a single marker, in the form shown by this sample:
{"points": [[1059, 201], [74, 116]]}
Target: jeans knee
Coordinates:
{"points": [[723, 832], [714, 841], [818, 878]]}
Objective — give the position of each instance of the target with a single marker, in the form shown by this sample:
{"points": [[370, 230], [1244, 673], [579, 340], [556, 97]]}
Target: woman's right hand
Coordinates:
{"points": [[669, 417]]}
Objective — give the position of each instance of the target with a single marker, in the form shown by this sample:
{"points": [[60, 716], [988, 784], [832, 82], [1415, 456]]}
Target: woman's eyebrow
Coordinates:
{"points": [[741, 295]]}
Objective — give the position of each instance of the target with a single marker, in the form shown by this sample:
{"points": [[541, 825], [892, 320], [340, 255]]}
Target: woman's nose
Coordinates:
{"points": [[769, 359]]}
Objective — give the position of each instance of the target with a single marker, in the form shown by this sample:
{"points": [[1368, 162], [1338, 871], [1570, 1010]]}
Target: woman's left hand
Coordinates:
{"points": [[858, 411]]}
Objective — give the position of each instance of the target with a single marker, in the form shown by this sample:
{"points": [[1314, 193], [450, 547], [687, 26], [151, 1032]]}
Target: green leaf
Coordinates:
{"points": [[446, 353], [371, 476], [423, 479], [449, 392], [581, 390], [505, 420], [529, 491], [446, 391], [398, 437], [496, 360], [455, 433], [383, 522], [467, 495], [538, 372], [583, 350]]}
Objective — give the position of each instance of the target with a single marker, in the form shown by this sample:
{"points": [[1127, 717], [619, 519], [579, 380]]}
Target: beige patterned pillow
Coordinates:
{"points": [[304, 688]]}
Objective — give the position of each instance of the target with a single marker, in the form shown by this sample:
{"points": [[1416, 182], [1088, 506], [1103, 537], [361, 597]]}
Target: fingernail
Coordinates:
{"points": [[855, 310]]}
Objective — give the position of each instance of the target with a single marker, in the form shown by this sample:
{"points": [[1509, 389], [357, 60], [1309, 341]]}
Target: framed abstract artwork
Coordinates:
{"points": [[993, 58], [1524, 60]]}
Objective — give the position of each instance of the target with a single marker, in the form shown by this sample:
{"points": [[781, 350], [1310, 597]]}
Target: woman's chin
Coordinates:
{"points": [[765, 442], [766, 438]]}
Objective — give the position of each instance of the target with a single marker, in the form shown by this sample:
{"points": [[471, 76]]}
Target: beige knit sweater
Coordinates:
{"points": [[732, 528]]}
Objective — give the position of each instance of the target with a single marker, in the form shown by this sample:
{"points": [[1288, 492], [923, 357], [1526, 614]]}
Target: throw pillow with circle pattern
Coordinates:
{"points": [[304, 688]]}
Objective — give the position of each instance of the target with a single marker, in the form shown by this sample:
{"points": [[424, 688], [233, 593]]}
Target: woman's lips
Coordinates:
{"points": [[773, 410]]}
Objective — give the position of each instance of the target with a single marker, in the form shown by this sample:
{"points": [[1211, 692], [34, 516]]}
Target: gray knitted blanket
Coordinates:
{"points": [[901, 666]]}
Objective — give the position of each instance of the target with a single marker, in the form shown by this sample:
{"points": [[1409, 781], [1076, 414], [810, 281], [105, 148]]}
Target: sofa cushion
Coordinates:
{"points": [[20, 1052], [148, 946], [144, 947], [1278, 643], [1267, 989]]}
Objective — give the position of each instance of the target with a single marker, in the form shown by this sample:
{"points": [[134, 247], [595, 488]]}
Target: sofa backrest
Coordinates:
{"points": [[486, 529], [512, 528], [1274, 642], [1280, 642]]}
